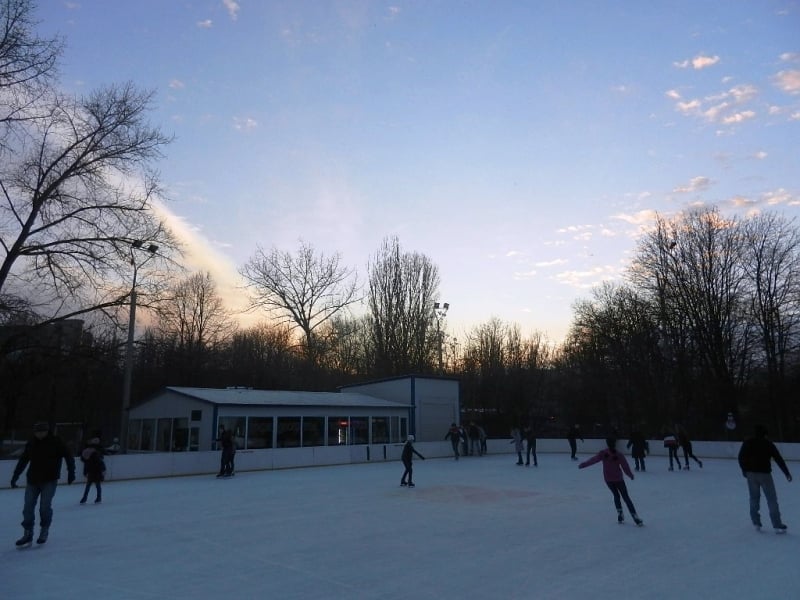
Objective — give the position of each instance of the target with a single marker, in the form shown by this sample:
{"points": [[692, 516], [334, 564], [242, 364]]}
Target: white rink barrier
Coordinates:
{"points": [[176, 464]]}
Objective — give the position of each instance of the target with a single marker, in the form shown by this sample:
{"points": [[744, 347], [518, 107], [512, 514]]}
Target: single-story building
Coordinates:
{"points": [[178, 419]]}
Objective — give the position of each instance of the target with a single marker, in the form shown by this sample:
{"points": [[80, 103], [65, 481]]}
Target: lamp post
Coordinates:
{"points": [[441, 312], [126, 385]]}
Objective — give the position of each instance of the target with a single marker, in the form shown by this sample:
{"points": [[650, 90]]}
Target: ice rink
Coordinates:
{"points": [[478, 528]]}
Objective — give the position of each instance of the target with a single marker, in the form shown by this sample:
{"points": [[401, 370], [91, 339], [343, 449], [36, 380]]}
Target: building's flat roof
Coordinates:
{"points": [[250, 397]]}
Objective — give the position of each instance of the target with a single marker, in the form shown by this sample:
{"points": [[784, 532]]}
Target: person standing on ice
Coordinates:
{"points": [[639, 447], [454, 436], [94, 468], [407, 457], [42, 455], [614, 465], [573, 435], [754, 459], [228, 450], [516, 439]]}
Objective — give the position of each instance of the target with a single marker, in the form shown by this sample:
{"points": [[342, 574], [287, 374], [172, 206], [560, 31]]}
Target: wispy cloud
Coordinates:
{"points": [[698, 62], [788, 81], [738, 117], [790, 57], [551, 263], [232, 7], [589, 278], [696, 184], [719, 108], [205, 24], [176, 84], [244, 123]]}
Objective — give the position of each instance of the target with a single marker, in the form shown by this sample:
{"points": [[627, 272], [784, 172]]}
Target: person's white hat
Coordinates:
{"points": [[410, 438]]}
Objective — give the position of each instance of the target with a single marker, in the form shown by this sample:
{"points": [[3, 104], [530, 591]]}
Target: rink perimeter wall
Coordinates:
{"points": [[177, 464]]}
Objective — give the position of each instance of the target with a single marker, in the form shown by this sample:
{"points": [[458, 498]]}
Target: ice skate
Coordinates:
{"points": [[781, 528], [45, 531], [411, 484], [26, 539], [637, 520], [620, 517]]}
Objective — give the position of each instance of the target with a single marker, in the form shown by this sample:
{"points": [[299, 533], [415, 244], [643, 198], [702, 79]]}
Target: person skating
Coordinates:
{"points": [[454, 436], [686, 445], [516, 439], [671, 444], [573, 435], [639, 447], [754, 460], [225, 439], [530, 438], [42, 456], [614, 465], [94, 468], [408, 460]]}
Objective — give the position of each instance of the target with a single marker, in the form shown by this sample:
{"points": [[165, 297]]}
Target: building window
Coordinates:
{"points": [[398, 429], [164, 435], [380, 430], [180, 435], [338, 431], [359, 426], [288, 432], [313, 431], [259, 432], [148, 434], [134, 433], [197, 415]]}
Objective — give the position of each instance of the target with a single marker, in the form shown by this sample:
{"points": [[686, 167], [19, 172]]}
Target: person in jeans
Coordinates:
{"points": [[454, 436], [42, 456], [755, 458], [408, 457], [530, 438]]}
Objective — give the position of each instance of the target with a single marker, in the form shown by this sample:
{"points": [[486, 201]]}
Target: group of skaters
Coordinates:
{"points": [[42, 456], [467, 441]]}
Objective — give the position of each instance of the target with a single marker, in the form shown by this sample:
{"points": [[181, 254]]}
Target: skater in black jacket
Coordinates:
{"points": [[94, 468], [638, 447], [454, 435], [573, 435], [228, 452], [42, 455], [407, 458], [754, 460]]}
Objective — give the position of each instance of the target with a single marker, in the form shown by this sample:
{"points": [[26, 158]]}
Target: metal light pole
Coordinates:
{"points": [[441, 312], [126, 385]]}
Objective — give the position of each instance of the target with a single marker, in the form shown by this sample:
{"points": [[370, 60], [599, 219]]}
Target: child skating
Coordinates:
{"points": [[407, 458], [614, 464]]}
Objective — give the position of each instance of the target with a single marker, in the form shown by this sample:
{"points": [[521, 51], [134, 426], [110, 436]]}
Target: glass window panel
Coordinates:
{"points": [[164, 437], [359, 426], [197, 415], [259, 432], [313, 431], [148, 431], [380, 430], [134, 434], [288, 432], [180, 435], [338, 431]]}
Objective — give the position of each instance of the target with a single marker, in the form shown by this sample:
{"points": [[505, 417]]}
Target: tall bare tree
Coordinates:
{"points": [[402, 289], [303, 290]]}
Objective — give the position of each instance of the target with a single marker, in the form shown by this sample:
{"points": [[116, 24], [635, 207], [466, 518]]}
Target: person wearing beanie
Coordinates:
{"points": [[407, 458], [755, 458], [614, 465], [42, 456]]}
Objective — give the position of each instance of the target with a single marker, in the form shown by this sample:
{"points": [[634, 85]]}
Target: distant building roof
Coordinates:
{"points": [[251, 397]]}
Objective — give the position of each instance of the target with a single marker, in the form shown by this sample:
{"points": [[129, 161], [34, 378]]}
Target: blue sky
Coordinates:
{"points": [[522, 146]]}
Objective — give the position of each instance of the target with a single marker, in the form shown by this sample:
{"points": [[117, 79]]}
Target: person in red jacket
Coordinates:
{"points": [[614, 464], [754, 460]]}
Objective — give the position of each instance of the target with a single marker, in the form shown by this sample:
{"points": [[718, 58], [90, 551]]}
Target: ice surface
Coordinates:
{"points": [[477, 528]]}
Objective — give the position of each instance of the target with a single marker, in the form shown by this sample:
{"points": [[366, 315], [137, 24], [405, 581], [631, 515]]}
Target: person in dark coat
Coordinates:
{"points": [[686, 444], [94, 468], [639, 447], [42, 456], [228, 452], [573, 435], [755, 458], [671, 444], [454, 435], [407, 457]]}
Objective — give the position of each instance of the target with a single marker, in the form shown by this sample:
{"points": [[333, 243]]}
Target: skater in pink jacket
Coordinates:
{"points": [[614, 464]]}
